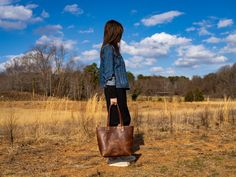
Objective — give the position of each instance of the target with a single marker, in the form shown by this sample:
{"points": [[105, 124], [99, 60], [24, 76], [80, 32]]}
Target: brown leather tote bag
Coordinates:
{"points": [[115, 140]]}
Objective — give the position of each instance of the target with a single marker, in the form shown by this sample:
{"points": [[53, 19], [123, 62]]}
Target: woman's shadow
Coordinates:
{"points": [[138, 140]]}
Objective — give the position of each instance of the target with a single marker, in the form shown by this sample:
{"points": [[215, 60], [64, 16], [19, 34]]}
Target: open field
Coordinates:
{"points": [[57, 138]]}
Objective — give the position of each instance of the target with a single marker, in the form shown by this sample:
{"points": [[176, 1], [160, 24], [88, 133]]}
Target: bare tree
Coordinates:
{"points": [[44, 56]]}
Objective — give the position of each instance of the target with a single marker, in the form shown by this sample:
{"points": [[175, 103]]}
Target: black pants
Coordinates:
{"points": [[122, 103]]}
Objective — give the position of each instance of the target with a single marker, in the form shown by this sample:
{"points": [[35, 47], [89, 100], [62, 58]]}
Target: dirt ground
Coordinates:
{"points": [[198, 146], [197, 153]]}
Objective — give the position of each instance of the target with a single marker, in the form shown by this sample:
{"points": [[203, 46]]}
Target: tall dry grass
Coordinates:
{"points": [[54, 120], [64, 120]]}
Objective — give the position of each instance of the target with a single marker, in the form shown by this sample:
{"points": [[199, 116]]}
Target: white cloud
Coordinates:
{"points": [[35, 20], [204, 23], [85, 41], [91, 54], [190, 29], [135, 34], [8, 60], [2, 67], [163, 71], [87, 56], [161, 18], [194, 55], [12, 25], [97, 46], [45, 14], [31, 6], [203, 31], [17, 16], [213, 40], [231, 38], [154, 46], [137, 24], [169, 71], [56, 41], [231, 44], [202, 27], [73, 9], [49, 29], [6, 2], [224, 23], [156, 69], [15, 13], [229, 49], [159, 45], [90, 30], [71, 27], [139, 61]]}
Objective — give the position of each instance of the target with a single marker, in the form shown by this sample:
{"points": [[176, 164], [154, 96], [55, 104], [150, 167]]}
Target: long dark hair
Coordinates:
{"points": [[113, 31]]}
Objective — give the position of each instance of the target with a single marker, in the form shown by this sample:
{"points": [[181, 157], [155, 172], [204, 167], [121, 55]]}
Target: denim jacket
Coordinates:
{"points": [[112, 64]]}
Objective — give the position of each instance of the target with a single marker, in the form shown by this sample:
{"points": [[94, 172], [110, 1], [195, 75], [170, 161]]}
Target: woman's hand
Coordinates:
{"points": [[113, 101]]}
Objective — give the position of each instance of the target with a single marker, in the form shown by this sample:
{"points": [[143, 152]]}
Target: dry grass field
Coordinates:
{"points": [[56, 137]]}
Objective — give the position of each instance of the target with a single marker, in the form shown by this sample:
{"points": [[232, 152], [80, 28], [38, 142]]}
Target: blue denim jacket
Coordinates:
{"points": [[112, 64]]}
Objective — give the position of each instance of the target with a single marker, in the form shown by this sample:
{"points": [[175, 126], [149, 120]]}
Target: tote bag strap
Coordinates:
{"points": [[120, 117]]}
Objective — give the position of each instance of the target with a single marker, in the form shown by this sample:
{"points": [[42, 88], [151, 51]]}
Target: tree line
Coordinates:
{"points": [[43, 70]]}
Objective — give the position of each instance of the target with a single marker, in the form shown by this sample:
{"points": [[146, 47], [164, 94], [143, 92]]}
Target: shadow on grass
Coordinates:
{"points": [[138, 140]]}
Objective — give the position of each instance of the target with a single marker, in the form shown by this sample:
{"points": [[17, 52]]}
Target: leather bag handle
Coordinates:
{"points": [[120, 117]]}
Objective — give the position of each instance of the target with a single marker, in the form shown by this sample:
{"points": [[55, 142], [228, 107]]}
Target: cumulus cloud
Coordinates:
{"points": [[85, 41], [97, 46], [31, 6], [231, 39], [15, 12], [56, 41], [230, 44], [70, 26], [16, 16], [8, 60], [148, 50], [2, 67], [203, 31], [6, 2], [49, 29], [73, 9], [161, 18], [163, 71], [202, 27], [229, 49], [91, 54], [12, 25], [139, 61], [137, 24], [45, 14], [194, 55], [156, 69], [224, 23], [191, 29], [212, 40], [90, 30], [154, 46], [87, 56]]}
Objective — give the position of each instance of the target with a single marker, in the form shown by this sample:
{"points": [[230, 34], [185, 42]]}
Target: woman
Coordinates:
{"points": [[113, 78]]}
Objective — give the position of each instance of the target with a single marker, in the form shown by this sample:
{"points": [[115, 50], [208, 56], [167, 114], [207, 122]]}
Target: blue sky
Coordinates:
{"points": [[181, 37]]}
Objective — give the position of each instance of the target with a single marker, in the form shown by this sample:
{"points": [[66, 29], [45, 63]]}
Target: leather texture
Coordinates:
{"points": [[115, 140]]}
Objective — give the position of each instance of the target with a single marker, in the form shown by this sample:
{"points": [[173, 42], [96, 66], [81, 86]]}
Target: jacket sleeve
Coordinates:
{"points": [[108, 59], [111, 90]]}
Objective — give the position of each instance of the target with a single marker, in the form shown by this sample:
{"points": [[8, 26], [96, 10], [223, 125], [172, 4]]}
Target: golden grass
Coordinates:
{"points": [[59, 117], [62, 132]]}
